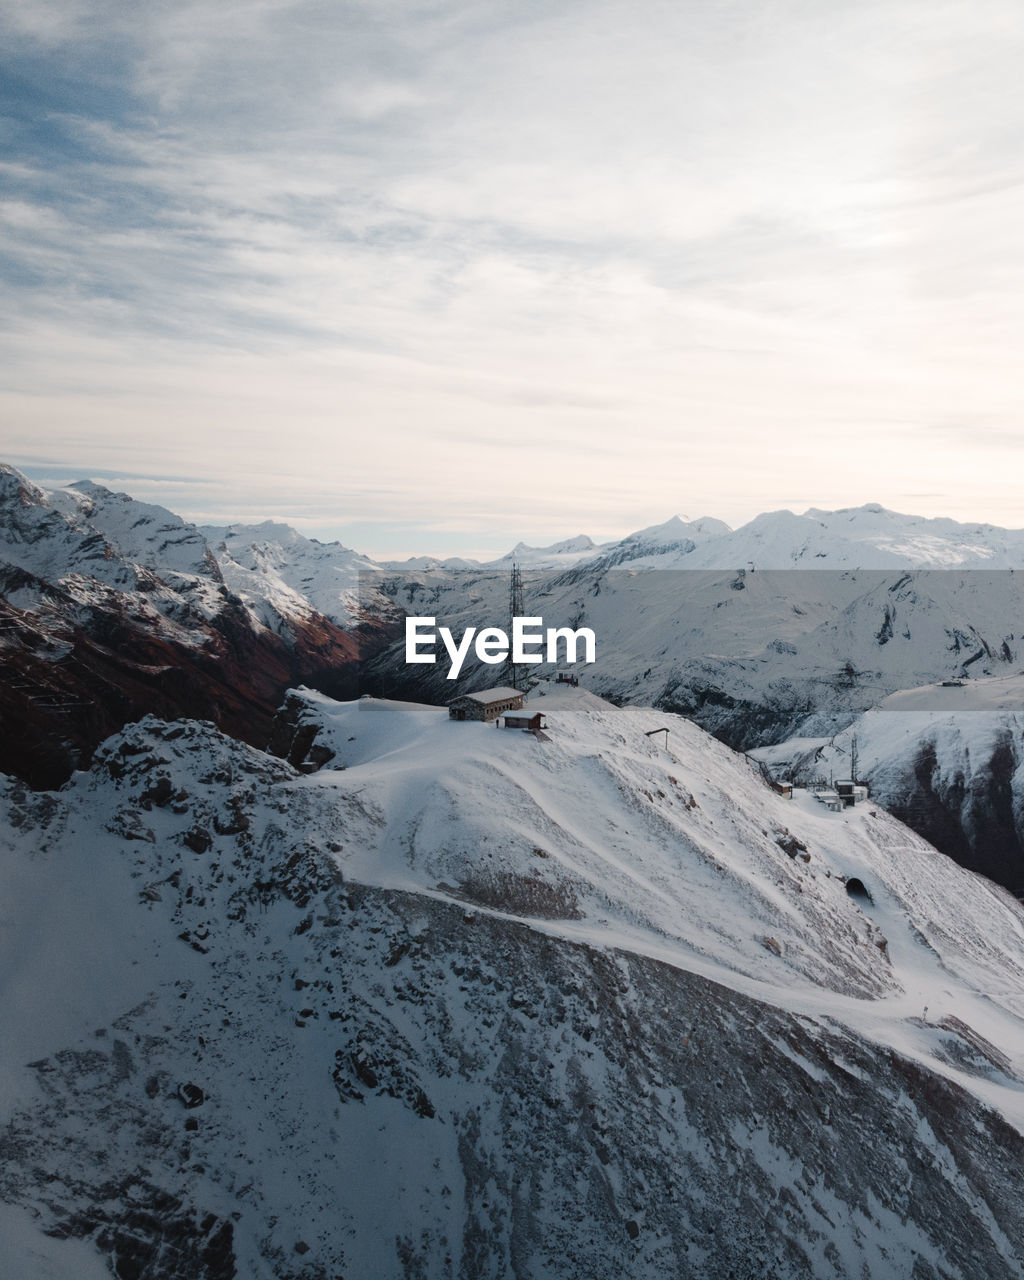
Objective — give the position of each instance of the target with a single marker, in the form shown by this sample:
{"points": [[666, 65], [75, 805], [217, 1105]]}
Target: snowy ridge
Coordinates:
{"points": [[280, 574], [597, 1006], [139, 531], [666, 847], [750, 655], [562, 554], [97, 545], [866, 537]]}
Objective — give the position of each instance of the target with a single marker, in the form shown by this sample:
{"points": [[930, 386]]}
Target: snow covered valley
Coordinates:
{"points": [[467, 1003]]}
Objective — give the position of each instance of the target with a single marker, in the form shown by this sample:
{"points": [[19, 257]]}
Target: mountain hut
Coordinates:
{"points": [[488, 704]]}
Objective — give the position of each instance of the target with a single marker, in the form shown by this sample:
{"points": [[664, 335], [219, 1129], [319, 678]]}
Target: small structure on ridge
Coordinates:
{"points": [[488, 704], [851, 792], [524, 719]]}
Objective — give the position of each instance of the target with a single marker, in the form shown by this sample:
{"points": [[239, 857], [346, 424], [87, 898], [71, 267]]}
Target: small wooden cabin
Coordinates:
{"points": [[488, 704], [524, 719]]}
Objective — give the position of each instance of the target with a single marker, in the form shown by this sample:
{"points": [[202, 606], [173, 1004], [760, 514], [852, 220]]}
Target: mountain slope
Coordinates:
{"points": [[468, 1003], [750, 655], [947, 759]]}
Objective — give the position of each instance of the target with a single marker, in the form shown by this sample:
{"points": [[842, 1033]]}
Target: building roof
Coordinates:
{"points": [[487, 696], [524, 713]]}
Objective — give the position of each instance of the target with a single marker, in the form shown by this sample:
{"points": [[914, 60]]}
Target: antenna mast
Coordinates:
{"points": [[514, 672]]}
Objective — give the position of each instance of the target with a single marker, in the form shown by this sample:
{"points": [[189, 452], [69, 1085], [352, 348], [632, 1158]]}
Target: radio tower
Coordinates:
{"points": [[514, 672]]}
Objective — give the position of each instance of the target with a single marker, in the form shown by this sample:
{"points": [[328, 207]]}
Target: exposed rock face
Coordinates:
{"points": [[972, 811], [401, 1082], [293, 737]]}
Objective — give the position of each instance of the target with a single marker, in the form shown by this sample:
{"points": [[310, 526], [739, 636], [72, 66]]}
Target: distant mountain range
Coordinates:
{"points": [[867, 537]]}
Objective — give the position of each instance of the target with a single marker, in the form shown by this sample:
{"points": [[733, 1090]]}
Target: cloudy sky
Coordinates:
{"points": [[432, 275]]}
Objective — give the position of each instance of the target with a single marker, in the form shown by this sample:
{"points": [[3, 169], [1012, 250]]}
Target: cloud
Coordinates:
{"points": [[623, 259]]}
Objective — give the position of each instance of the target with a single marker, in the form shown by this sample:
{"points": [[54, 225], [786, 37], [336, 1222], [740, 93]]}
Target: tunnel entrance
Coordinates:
{"points": [[857, 889]]}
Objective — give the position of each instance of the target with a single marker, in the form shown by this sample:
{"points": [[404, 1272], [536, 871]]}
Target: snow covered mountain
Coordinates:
{"points": [[759, 656], [466, 1003], [559, 555], [660, 546], [282, 576], [754, 632], [751, 655], [92, 539], [866, 537], [112, 608]]}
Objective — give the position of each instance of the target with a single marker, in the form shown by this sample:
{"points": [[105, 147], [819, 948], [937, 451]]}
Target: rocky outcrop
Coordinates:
{"points": [[972, 811], [294, 733]]}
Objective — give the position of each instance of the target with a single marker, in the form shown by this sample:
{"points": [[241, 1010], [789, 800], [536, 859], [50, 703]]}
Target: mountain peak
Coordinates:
{"points": [[866, 508], [14, 483], [678, 529]]}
